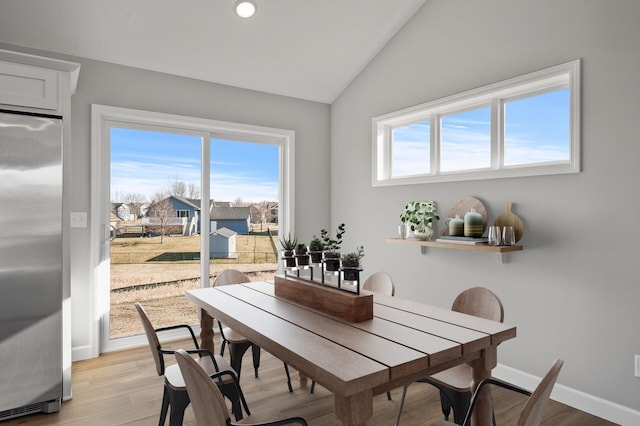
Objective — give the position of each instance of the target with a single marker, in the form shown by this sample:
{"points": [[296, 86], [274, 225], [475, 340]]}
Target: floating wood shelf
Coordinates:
{"points": [[480, 247]]}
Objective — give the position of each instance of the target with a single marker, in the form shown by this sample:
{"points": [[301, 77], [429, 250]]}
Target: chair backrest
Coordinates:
{"points": [[533, 410], [152, 338], [479, 302], [230, 276], [207, 401], [380, 282]]}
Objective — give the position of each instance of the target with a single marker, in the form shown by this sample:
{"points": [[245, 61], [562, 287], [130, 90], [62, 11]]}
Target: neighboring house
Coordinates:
{"points": [[139, 210], [222, 243], [264, 213], [114, 221], [235, 218], [272, 212], [123, 211], [186, 208]]}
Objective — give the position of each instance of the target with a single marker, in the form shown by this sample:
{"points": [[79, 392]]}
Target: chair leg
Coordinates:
{"points": [[222, 346], [404, 394], [313, 386], [286, 370], [237, 400], [445, 404], [255, 352], [237, 350], [459, 401], [165, 406], [179, 400]]}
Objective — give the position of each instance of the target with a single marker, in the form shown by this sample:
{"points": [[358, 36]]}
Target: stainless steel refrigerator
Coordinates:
{"points": [[30, 263]]}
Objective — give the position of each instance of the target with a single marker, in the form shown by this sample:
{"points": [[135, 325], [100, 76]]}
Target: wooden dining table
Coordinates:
{"points": [[404, 341]]}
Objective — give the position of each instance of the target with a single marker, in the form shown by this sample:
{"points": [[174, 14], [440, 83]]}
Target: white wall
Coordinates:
{"points": [[114, 85], [573, 292]]}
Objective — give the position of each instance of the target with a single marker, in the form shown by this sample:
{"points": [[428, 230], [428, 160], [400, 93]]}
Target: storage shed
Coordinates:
{"points": [[222, 243]]}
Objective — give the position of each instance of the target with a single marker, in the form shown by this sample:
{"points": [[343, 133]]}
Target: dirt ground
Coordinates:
{"points": [[165, 304]]}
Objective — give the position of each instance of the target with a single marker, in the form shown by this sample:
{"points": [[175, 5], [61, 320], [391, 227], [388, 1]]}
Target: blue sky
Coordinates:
{"points": [[144, 162], [536, 131]]}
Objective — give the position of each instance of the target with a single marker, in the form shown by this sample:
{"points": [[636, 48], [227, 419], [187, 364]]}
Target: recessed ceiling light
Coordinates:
{"points": [[245, 8]]}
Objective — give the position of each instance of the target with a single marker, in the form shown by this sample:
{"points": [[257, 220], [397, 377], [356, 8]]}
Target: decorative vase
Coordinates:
{"points": [[456, 225], [403, 230], [423, 234], [473, 224]]}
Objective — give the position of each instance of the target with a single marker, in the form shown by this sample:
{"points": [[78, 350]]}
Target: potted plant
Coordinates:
{"points": [[315, 250], [289, 244], [302, 258], [332, 247], [419, 216], [351, 264]]}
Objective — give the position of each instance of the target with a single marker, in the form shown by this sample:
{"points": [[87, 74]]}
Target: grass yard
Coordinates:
{"points": [[157, 275]]}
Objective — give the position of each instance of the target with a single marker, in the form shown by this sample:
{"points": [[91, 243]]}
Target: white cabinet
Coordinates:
{"points": [[35, 83], [25, 85]]}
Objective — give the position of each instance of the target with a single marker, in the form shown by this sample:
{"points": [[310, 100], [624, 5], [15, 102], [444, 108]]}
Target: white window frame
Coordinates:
{"points": [[554, 78], [104, 117]]}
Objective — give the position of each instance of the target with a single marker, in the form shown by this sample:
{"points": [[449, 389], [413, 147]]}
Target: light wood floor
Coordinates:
{"points": [[123, 389]]}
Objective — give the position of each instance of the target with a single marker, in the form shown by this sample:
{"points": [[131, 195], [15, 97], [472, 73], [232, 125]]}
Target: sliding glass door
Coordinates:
{"points": [[175, 221]]}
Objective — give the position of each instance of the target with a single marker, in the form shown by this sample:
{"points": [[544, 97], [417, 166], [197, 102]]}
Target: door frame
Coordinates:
{"points": [[102, 119]]}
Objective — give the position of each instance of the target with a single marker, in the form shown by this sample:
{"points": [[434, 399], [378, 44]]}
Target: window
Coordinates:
{"points": [[525, 126], [134, 155]]}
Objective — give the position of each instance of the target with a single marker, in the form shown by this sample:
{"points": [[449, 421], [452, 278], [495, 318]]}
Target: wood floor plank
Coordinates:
{"points": [[122, 388]]}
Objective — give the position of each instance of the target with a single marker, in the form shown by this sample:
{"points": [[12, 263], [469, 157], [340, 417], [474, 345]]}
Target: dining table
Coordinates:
{"points": [[404, 341]]}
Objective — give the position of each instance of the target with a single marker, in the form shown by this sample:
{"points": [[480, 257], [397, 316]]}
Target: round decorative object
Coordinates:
{"points": [[423, 234], [462, 206]]}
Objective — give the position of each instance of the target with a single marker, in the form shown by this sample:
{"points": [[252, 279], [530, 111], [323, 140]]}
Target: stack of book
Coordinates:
{"points": [[462, 240]]}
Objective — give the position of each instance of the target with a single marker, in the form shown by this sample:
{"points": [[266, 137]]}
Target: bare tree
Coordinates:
{"points": [[238, 203], [134, 198], [193, 191], [177, 187], [128, 198], [160, 214]]}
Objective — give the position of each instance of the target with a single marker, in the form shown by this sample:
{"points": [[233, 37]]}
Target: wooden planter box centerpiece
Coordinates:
{"points": [[349, 306]]}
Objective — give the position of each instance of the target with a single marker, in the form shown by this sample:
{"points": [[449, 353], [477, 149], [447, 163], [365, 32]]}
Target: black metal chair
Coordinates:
{"points": [[175, 394], [238, 343]]}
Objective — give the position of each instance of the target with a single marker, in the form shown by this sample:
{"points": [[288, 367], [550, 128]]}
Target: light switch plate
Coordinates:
{"points": [[637, 365], [78, 219]]}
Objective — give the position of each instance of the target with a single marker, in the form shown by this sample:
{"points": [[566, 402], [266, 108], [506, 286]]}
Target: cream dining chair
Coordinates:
{"points": [[455, 383], [208, 404], [533, 410]]}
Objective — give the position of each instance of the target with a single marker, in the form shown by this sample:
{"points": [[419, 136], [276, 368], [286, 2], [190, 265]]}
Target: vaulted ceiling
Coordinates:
{"points": [[309, 49]]}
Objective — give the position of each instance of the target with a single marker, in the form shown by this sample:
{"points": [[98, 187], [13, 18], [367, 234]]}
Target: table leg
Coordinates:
{"points": [[355, 409], [483, 412], [206, 331]]}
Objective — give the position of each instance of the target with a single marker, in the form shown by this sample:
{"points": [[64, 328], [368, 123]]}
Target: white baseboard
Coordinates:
{"points": [[591, 404], [79, 353]]}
